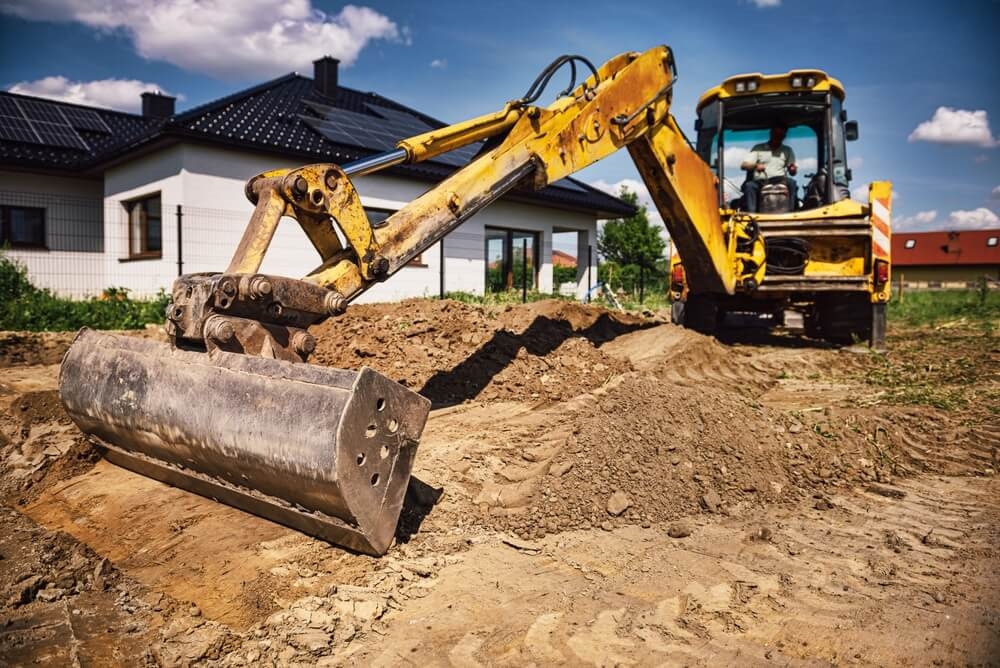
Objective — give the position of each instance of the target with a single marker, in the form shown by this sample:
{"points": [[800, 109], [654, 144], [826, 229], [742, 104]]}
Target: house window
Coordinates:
{"points": [[377, 218], [909, 243], [22, 227], [991, 241], [145, 228], [511, 259]]}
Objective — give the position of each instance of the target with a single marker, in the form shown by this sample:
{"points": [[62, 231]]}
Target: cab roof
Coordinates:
{"points": [[773, 83]]}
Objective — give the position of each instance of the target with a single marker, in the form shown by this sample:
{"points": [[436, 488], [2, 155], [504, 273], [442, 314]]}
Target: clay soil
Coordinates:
{"points": [[592, 488]]}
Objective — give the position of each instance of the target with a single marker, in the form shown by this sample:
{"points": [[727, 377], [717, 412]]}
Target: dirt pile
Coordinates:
{"points": [[38, 444], [641, 453], [22, 348], [451, 352]]}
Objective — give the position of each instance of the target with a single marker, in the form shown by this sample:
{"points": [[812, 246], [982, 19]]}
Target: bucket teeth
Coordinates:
{"points": [[325, 451]]}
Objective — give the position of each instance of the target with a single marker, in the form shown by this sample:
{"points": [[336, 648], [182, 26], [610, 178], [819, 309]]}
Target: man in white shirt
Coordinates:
{"points": [[767, 161]]}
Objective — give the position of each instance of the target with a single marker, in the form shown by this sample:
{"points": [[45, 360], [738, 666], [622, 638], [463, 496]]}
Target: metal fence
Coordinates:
{"points": [[80, 246]]}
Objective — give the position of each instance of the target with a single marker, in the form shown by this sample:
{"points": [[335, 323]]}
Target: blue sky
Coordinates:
{"points": [[921, 77]]}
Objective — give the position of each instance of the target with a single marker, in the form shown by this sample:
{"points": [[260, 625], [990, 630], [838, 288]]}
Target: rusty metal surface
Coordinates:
{"points": [[324, 450], [254, 314]]}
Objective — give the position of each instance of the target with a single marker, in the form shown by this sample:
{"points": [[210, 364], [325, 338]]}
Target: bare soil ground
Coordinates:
{"points": [[591, 489]]}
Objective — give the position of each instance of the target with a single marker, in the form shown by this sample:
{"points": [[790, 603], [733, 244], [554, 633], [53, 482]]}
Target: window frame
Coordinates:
{"points": [[144, 241], [5, 223], [508, 256], [991, 242], [909, 244]]}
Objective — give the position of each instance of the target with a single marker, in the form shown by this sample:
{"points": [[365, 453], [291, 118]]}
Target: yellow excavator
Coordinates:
{"points": [[231, 410]]}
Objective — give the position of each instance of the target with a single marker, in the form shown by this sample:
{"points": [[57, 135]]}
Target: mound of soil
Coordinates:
{"points": [[23, 348], [452, 352]]}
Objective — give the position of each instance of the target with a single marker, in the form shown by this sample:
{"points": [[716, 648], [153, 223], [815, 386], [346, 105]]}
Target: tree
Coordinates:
{"points": [[633, 241]]}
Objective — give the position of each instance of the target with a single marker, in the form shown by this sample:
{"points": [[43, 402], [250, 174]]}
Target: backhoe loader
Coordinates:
{"points": [[231, 410]]}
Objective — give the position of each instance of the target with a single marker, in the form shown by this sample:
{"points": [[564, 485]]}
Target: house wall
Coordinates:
{"points": [[72, 262], [945, 274], [209, 183]]}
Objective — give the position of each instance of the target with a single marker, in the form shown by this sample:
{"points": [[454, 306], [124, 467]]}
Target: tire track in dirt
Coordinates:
{"points": [[872, 581]]}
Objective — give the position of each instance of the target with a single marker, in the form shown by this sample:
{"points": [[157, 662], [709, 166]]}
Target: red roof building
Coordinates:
{"points": [[946, 257], [562, 259]]}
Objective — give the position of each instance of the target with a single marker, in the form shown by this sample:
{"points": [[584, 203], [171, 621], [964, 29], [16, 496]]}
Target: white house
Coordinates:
{"points": [[91, 198]]}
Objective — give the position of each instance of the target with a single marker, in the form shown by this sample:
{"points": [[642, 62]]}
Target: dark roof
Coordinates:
{"points": [[969, 247], [285, 117], [118, 132]]}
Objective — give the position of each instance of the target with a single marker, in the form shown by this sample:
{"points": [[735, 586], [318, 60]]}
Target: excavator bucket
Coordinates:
{"points": [[325, 451]]}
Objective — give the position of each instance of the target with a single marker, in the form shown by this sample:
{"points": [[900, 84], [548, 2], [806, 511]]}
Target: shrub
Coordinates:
{"points": [[23, 306]]}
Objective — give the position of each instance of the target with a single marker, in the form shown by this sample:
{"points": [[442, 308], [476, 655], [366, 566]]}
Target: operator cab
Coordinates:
{"points": [[739, 114]]}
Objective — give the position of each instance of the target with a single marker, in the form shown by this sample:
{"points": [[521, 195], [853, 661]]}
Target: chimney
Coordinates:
{"points": [[157, 105], [325, 75]]}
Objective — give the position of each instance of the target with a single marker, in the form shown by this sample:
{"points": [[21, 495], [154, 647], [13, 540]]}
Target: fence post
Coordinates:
{"points": [[900, 295], [442, 267], [590, 262], [180, 242], [524, 270]]}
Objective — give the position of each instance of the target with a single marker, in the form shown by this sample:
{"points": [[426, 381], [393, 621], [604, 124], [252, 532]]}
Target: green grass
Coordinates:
{"points": [[25, 307], [936, 307]]}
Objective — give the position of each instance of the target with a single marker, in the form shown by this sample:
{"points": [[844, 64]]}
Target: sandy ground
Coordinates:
{"points": [[591, 489]]}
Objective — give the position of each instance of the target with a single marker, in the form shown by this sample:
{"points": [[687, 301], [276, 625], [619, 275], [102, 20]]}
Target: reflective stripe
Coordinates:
{"points": [[881, 227]]}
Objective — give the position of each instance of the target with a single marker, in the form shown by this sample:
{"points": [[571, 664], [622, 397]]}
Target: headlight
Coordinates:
{"points": [[751, 86], [810, 82], [796, 82], [741, 86]]}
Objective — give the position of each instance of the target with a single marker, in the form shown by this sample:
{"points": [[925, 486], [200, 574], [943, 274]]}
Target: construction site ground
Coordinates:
{"points": [[592, 488]]}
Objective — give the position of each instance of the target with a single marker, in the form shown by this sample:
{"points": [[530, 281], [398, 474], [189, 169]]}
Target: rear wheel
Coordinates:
{"points": [[701, 313], [847, 319]]}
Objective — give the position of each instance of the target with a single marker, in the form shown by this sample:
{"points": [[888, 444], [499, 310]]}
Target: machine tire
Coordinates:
{"points": [[701, 313], [846, 319]]}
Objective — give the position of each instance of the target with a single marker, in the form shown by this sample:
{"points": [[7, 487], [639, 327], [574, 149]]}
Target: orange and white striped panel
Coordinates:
{"points": [[881, 208]]}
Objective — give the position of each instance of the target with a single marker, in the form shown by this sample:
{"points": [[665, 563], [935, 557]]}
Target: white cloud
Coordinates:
{"points": [[956, 126], [860, 193], [439, 63], [995, 194], [762, 4], [121, 94], [922, 220], [807, 165], [976, 219], [733, 156], [253, 39], [855, 162]]}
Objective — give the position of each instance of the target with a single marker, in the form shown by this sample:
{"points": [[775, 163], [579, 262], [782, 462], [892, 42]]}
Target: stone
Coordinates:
{"points": [[711, 501], [313, 641], [559, 469], [618, 503], [25, 590], [50, 595], [679, 530]]}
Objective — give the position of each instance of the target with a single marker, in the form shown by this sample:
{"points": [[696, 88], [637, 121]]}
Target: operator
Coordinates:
{"points": [[773, 160]]}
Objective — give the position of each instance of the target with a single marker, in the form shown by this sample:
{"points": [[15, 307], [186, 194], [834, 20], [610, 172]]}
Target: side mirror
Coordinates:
{"points": [[697, 125], [851, 130]]}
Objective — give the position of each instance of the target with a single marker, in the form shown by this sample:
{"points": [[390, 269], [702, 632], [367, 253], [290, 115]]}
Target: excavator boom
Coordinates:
{"points": [[230, 410]]}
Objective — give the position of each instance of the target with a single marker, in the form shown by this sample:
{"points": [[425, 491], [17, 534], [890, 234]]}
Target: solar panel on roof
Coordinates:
{"points": [[37, 122], [8, 107], [379, 133], [54, 134], [36, 110], [86, 119], [402, 118], [17, 129]]}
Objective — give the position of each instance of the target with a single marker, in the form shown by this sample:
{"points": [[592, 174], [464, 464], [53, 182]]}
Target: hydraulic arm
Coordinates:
{"points": [[228, 411]]}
